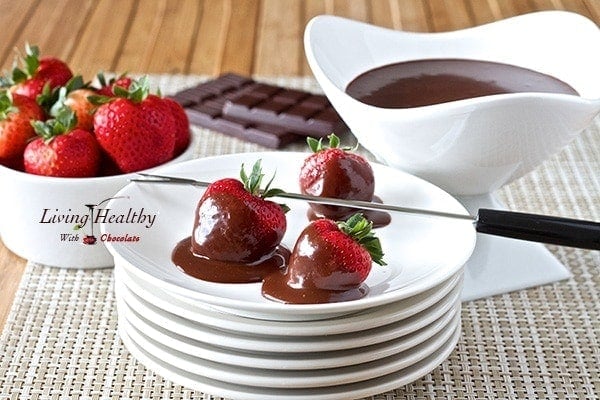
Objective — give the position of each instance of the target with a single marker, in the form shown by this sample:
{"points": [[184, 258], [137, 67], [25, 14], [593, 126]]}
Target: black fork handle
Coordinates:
{"points": [[539, 228]]}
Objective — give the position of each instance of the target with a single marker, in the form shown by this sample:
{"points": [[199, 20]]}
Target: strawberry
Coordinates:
{"points": [[137, 131], [39, 73], [78, 101], [16, 112], [335, 172], [182, 123], [62, 150], [107, 88], [76, 95], [234, 222], [334, 256], [32, 87]]}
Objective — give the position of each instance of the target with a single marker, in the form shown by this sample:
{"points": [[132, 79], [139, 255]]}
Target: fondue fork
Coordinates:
{"points": [[531, 227]]}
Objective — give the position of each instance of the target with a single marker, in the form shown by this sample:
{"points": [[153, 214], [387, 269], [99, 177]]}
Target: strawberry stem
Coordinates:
{"points": [[30, 62], [63, 122], [31, 59], [137, 92], [334, 143], [360, 229], [51, 99], [252, 183]]}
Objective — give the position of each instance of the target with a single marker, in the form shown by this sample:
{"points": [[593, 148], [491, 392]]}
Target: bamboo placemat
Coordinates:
{"points": [[60, 340]]}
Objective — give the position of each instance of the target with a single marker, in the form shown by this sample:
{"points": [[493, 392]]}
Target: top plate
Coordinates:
{"points": [[421, 252]]}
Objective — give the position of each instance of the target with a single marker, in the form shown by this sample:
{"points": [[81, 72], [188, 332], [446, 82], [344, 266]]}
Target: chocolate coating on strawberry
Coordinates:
{"points": [[237, 232], [336, 172], [232, 224], [329, 263]]}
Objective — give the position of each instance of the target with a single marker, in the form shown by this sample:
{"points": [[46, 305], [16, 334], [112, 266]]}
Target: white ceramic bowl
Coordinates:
{"points": [[38, 215], [471, 146]]}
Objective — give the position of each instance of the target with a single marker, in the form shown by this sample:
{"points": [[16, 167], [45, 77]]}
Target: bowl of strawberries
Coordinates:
{"points": [[67, 146]]}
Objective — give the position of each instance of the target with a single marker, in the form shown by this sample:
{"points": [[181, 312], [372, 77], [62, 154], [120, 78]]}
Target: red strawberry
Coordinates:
{"points": [[107, 88], [16, 114], [235, 223], [62, 150], [55, 71], [137, 132], [338, 173], [182, 131], [38, 73], [334, 256], [31, 88]]}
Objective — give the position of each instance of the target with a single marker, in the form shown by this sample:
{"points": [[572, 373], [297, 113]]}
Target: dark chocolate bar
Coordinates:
{"points": [[204, 105], [305, 113]]}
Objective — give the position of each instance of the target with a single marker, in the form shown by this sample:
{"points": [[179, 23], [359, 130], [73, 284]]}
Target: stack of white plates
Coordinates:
{"points": [[228, 340]]}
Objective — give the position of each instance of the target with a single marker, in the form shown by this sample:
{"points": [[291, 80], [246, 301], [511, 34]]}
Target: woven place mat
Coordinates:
{"points": [[60, 340]]}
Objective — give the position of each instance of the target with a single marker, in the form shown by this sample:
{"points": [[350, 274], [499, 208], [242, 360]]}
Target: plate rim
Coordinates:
{"points": [[356, 390], [283, 344], [215, 318], [296, 361]]}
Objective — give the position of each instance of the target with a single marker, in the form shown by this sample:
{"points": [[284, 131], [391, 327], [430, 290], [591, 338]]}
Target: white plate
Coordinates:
{"points": [[291, 379], [288, 361], [202, 313], [133, 309], [340, 391], [421, 252]]}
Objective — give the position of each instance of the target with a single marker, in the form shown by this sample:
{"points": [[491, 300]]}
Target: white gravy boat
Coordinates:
{"points": [[471, 146]]}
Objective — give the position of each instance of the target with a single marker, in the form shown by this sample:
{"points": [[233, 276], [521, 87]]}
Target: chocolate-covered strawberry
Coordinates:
{"points": [[334, 255], [333, 171], [234, 222], [329, 263]]}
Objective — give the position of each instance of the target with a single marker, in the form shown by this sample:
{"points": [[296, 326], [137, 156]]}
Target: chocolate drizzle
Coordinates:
{"points": [[226, 271]]}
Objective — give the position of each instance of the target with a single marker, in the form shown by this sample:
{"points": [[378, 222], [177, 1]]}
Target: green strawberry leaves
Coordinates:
{"points": [[6, 104], [252, 183], [31, 59], [31, 62], [334, 143], [138, 91], [52, 99], [63, 122], [360, 229]]}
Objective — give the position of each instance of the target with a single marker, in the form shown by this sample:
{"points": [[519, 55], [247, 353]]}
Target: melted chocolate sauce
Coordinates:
{"points": [[275, 287], [226, 271], [426, 82]]}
